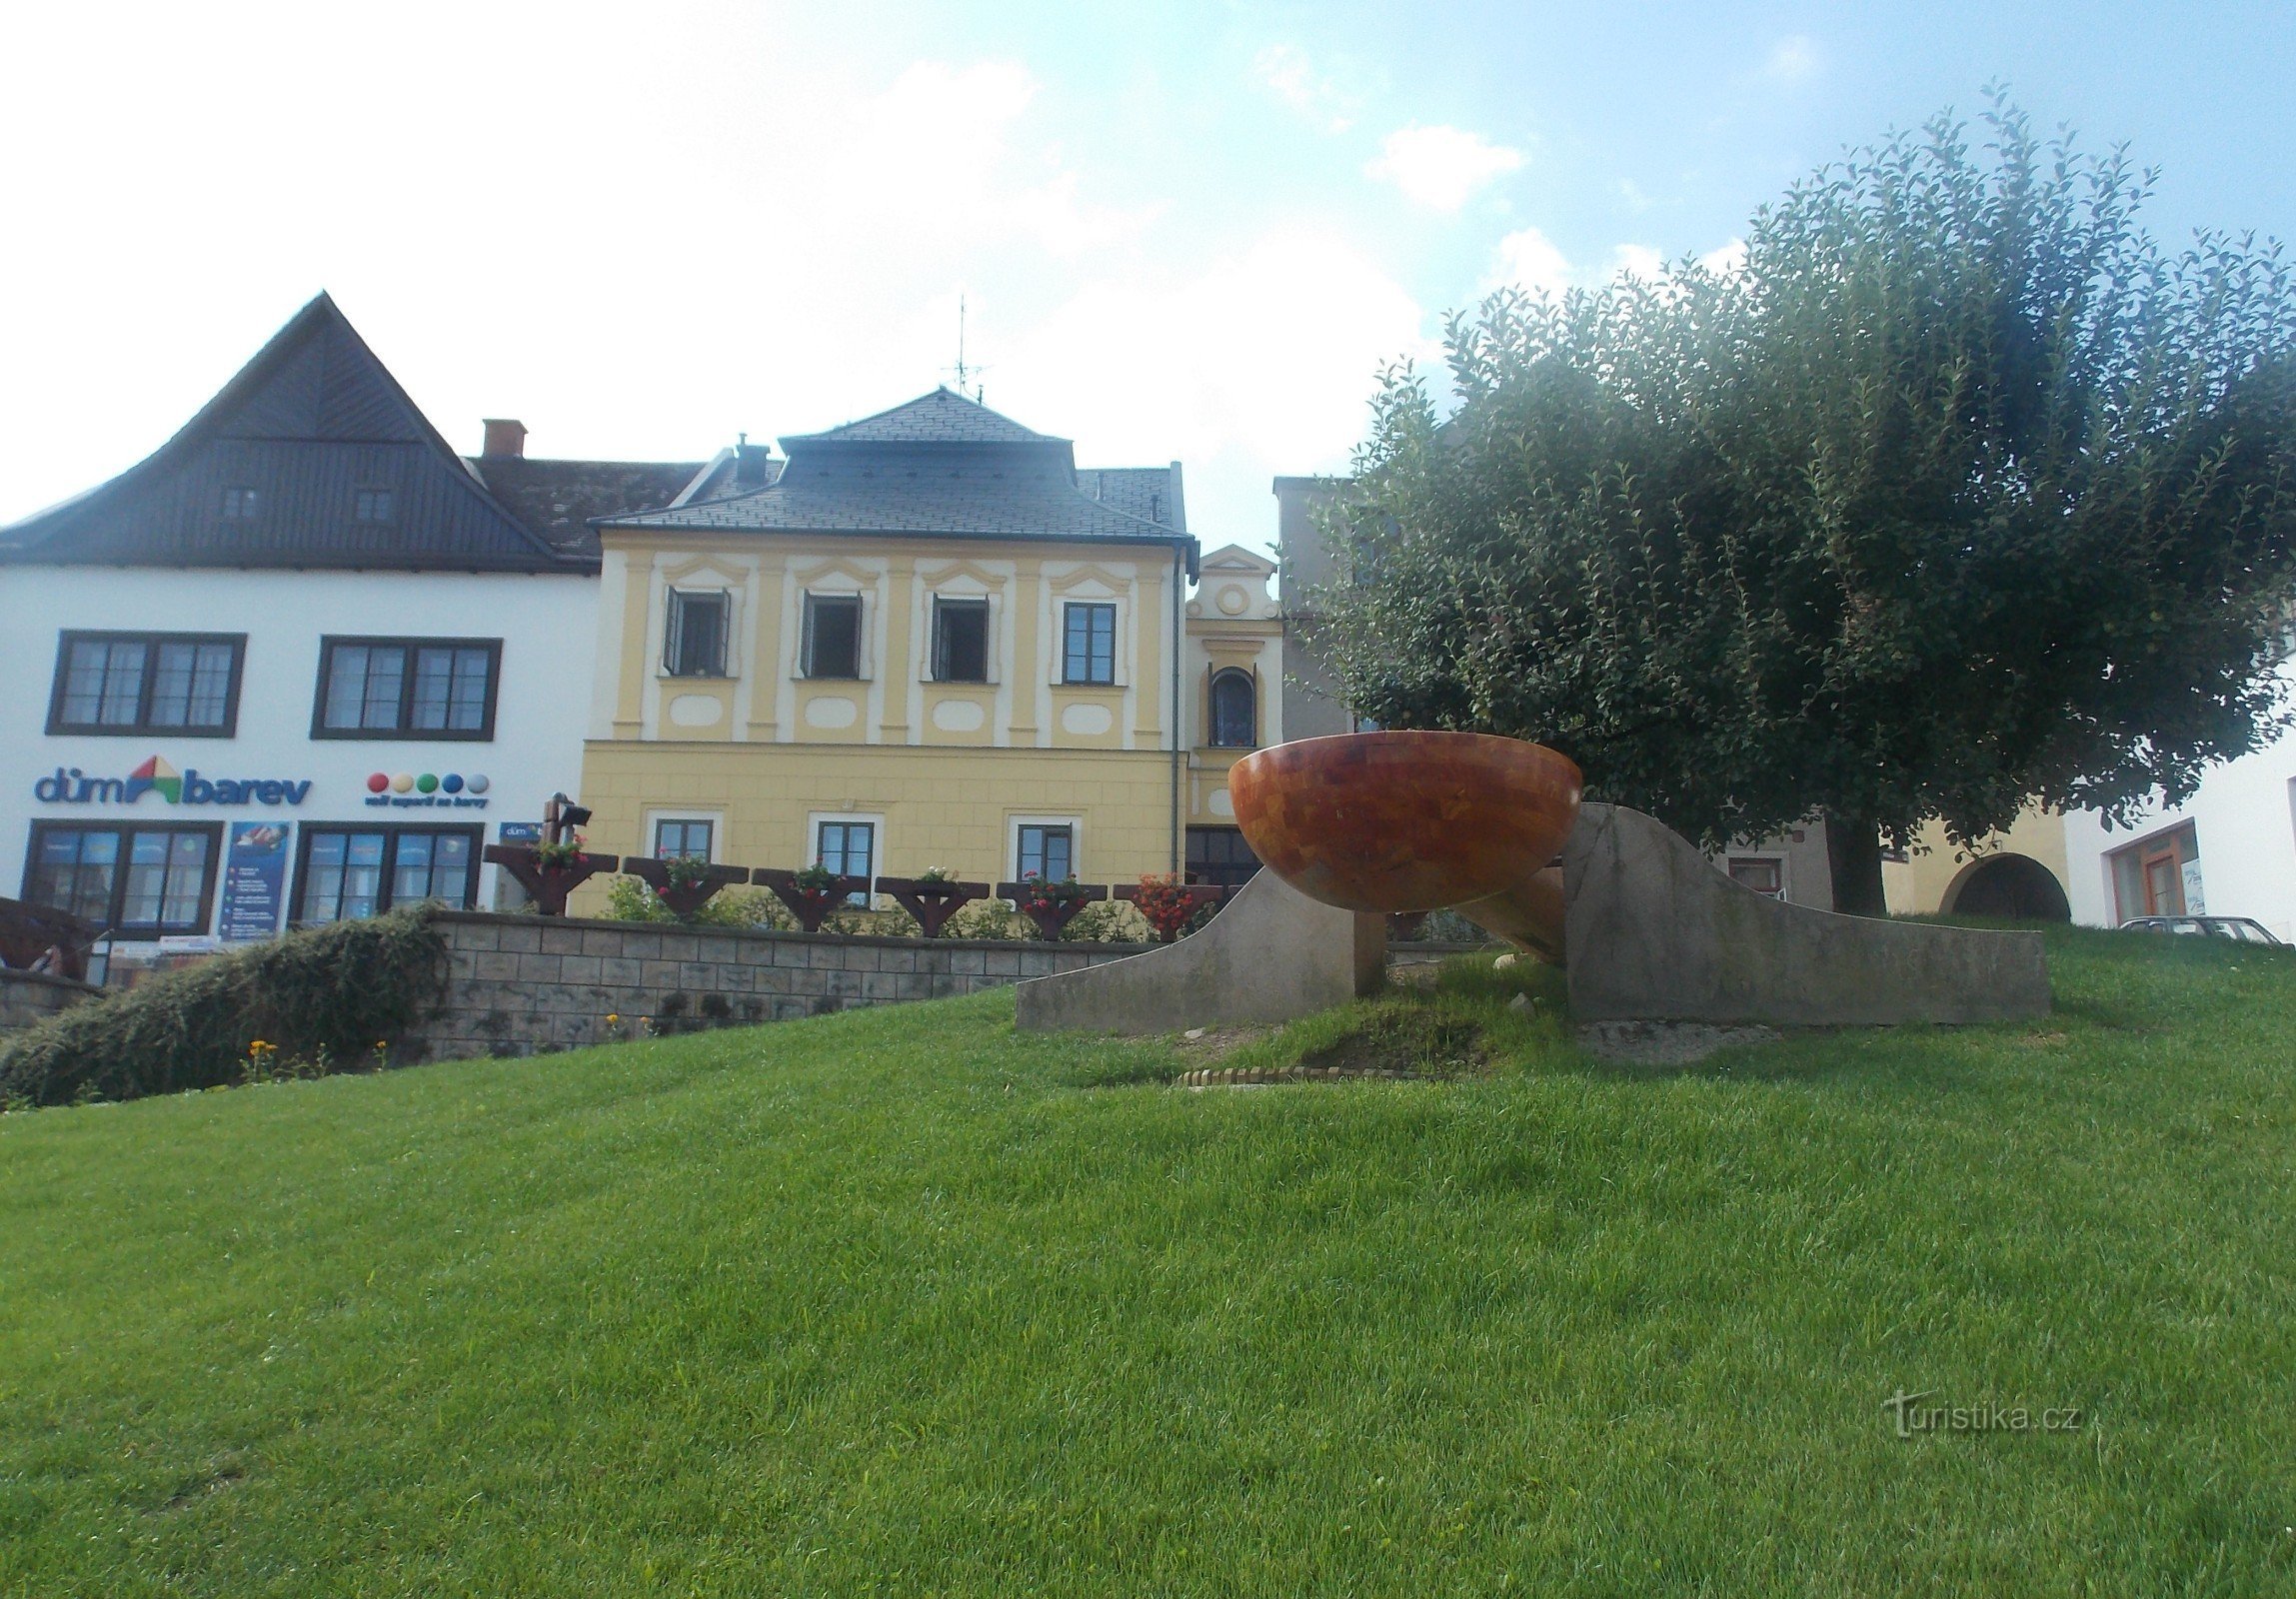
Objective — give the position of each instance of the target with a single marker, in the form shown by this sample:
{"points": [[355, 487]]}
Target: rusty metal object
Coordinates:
{"points": [[1414, 820]]}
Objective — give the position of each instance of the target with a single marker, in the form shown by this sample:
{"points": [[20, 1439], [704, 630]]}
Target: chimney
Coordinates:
{"points": [[505, 437], [750, 463]]}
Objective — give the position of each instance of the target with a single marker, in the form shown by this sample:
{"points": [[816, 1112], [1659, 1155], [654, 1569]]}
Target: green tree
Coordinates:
{"points": [[1956, 492]]}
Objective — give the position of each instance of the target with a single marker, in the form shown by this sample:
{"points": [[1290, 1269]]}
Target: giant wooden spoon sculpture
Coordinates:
{"points": [[1407, 820]]}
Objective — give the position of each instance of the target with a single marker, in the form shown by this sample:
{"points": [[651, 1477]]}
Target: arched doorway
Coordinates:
{"points": [[2010, 888]]}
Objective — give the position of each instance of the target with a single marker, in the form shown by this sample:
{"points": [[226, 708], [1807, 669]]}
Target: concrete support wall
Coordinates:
{"points": [[1272, 954], [1655, 932], [526, 984]]}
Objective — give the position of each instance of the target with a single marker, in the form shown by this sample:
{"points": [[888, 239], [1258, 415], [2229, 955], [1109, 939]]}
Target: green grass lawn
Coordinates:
{"points": [[897, 1301]]}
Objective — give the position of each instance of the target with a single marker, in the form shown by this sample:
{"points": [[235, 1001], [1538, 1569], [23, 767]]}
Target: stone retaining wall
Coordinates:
{"points": [[27, 997], [528, 984]]}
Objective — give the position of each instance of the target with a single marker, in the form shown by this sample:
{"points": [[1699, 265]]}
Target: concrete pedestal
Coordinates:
{"points": [[1272, 954]]}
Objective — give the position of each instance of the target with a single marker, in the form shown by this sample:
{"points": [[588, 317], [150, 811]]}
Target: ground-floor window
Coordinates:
{"points": [[1045, 849], [1765, 875], [1220, 855], [141, 882], [2159, 876], [848, 848], [349, 872], [678, 835]]}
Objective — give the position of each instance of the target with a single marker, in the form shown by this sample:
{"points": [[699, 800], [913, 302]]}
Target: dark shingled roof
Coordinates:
{"points": [[943, 465], [937, 418], [1148, 492], [559, 500], [308, 425]]}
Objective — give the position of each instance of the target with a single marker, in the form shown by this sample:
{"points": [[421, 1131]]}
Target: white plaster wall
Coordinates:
{"points": [[548, 624], [2243, 823]]}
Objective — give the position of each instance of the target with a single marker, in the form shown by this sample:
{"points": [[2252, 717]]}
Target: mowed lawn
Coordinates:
{"points": [[900, 1302]]}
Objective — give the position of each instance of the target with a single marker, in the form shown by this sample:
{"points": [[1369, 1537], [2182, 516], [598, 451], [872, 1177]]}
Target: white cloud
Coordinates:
{"points": [[1528, 259], [1441, 167], [1793, 59], [1637, 261], [1261, 363], [1287, 73]]}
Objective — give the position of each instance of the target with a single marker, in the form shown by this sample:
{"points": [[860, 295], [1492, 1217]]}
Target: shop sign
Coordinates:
{"points": [[254, 882], [428, 791], [69, 786]]}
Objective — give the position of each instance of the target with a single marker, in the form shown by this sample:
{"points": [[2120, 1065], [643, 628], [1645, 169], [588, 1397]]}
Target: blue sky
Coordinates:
{"points": [[1186, 231]]}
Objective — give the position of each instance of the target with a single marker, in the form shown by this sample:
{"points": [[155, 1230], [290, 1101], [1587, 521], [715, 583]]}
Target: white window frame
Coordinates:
{"points": [[730, 662], [862, 656], [658, 814], [1117, 676], [814, 821], [1012, 827], [926, 662]]}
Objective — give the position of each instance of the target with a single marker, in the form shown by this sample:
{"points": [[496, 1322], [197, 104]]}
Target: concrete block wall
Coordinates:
{"points": [[529, 985], [27, 997]]}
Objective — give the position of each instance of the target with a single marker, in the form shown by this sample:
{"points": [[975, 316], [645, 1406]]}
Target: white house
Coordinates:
{"points": [[300, 664], [2229, 850]]}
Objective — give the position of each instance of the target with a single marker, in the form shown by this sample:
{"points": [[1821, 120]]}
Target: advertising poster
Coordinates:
{"points": [[254, 880]]}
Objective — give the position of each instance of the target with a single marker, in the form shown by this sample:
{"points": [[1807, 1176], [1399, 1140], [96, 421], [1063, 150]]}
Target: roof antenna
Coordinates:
{"points": [[962, 370]]}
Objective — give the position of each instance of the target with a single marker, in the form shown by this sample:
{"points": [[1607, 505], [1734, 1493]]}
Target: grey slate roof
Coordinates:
{"points": [[1151, 493], [558, 500], [955, 506], [937, 418], [309, 423], [942, 466]]}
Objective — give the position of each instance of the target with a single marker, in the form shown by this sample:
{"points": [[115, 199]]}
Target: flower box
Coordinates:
{"points": [[685, 899], [932, 901], [1050, 906], [811, 905], [548, 882], [1184, 900]]}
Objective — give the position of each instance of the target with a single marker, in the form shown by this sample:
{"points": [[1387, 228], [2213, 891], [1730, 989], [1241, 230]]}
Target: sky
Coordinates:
{"points": [[1178, 231]]}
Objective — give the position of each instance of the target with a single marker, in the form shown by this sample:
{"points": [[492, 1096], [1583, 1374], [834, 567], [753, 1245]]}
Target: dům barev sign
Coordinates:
{"points": [[69, 786]]}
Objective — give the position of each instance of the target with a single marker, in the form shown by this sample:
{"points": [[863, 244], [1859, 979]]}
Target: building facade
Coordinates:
{"points": [[2229, 850], [300, 664], [931, 640]]}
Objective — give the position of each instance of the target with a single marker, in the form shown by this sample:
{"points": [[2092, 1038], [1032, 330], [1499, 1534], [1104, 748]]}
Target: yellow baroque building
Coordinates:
{"points": [[928, 640]]}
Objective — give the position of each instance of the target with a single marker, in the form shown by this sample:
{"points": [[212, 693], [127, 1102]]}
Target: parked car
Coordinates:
{"points": [[2240, 928]]}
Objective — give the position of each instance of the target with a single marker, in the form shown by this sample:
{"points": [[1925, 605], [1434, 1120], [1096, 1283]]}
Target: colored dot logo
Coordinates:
{"points": [[426, 783]]}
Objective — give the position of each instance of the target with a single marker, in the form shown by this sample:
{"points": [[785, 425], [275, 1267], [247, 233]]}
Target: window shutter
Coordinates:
{"points": [[674, 634]]}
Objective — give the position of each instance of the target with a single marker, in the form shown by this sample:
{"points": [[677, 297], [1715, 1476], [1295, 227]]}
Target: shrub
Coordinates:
{"points": [[339, 993], [987, 918], [1166, 903], [1106, 921], [632, 900]]}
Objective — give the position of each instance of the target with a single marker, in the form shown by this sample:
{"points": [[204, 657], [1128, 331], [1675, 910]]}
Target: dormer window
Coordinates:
{"points": [[239, 504], [371, 505]]}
